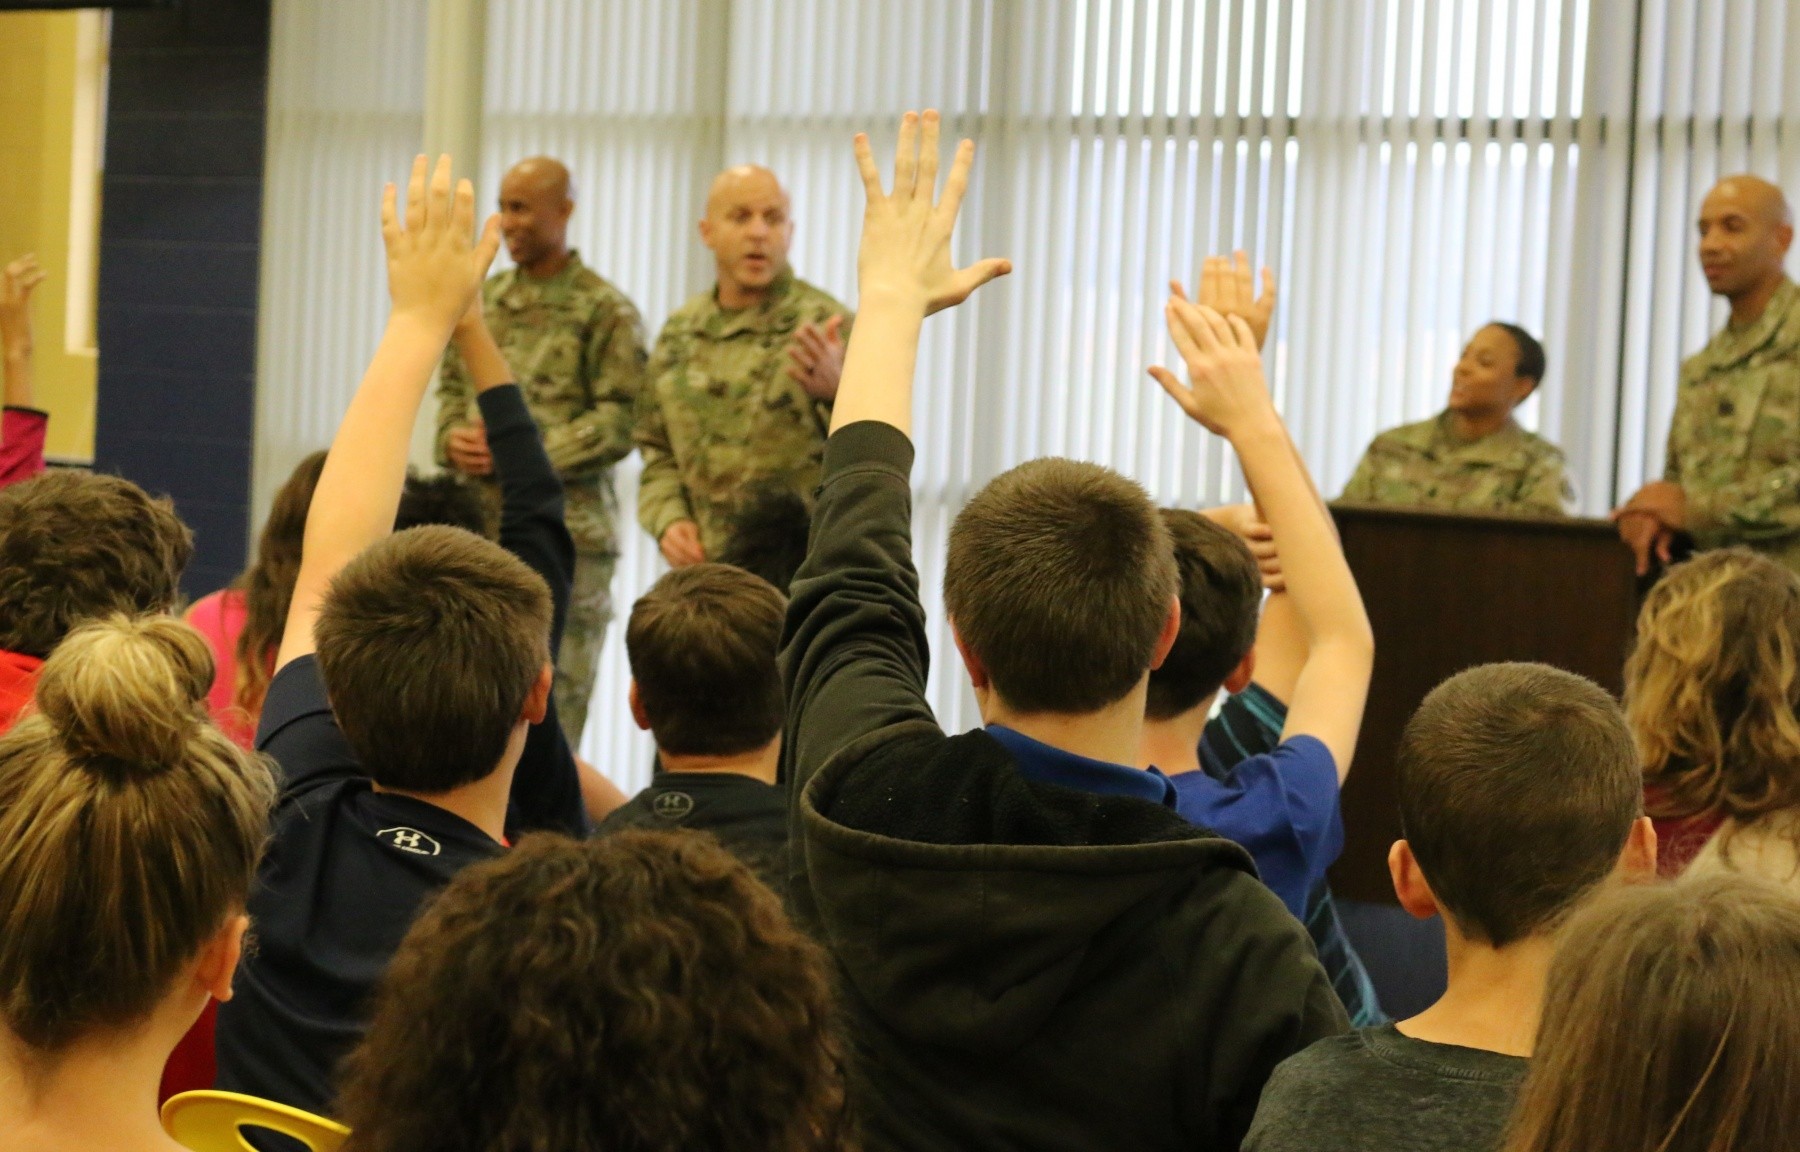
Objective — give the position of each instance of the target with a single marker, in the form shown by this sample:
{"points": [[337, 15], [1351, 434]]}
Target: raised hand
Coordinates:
{"points": [[905, 253], [816, 359], [467, 447], [1226, 392], [1225, 287], [435, 263], [16, 283]]}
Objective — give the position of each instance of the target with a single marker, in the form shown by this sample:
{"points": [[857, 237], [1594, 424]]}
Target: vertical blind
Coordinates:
{"points": [[1410, 169]]}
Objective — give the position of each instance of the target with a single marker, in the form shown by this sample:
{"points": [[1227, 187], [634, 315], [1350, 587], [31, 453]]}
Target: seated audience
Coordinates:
{"points": [[1473, 456], [1671, 1024], [1035, 950], [704, 682], [22, 426], [76, 546], [640, 991], [768, 535], [1711, 691], [244, 622], [1232, 773], [1519, 798], [129, 832], [420, 738]]}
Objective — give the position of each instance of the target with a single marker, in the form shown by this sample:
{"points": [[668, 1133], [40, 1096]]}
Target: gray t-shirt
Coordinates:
{"points": [[1379, 1091]]}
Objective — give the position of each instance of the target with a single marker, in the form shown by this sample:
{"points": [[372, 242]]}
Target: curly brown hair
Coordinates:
{"points": [[268, 584], [1713, 684], [78, 546], [637, 993]]}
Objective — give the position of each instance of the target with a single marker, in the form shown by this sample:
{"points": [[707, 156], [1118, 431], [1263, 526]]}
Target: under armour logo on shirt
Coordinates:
{"points": [[409, 840], [673, 805]]}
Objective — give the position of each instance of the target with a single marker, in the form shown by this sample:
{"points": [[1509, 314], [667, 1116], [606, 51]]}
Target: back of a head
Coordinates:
{"points": [[1058, 578], [428, 644], [641, 990], [447, 498], [769, 535], [129, 830], [1713, 685], [1221, 594], [1671, 1024], [268, 584], [1518, 786], [702, 645], [77, 546], [1532, 362]]}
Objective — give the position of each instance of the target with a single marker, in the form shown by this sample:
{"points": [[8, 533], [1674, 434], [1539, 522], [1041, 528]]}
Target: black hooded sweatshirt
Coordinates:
{"points": [[1022, 965]]}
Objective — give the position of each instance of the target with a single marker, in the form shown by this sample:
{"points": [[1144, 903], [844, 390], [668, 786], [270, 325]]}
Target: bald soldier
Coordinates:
{"points": [[576, 347], [741, 380], [1732, 474]]}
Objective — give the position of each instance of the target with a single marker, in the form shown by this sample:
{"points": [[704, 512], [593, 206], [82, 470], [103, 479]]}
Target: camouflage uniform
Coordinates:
{"points": [[1424, 465], [721, 414], [1734, 445], [576, 346]]}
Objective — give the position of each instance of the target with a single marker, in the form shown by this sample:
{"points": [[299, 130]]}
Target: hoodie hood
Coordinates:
{"points": [[965, 903]]}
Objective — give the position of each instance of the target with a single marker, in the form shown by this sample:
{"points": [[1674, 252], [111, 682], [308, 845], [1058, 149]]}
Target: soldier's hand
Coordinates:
{"points": [[16, 283], [1645, 536], [1663, 499], [435, 262], [1225, 287], [680, 544], [905, 252], [816, 359], [1226, 392], [467, 447]]}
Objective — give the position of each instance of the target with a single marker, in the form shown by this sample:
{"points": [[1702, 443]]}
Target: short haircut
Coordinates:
{"points": [[702, 645], [637, 991], [768, 535], [446, 498], [428, 643], [78, 546], [1531, 363], [1058, 578], [1518, 785], [1221, 597]]}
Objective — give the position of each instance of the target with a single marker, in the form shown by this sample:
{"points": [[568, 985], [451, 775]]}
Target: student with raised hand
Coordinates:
{"points": [[116, 785], [23, 424], [1519, 800], [1671, 1024], [641, 991], [1034, 949], [408, 708]]}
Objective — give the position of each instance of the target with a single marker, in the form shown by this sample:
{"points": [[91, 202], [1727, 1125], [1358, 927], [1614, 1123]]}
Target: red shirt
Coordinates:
{"points": [[21, 444], [18, 677], [1679, 838]]}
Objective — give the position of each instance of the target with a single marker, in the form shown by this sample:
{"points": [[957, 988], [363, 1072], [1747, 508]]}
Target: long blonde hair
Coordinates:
{"points": [[1671, 1023], [130, 829], [1712, 687]]}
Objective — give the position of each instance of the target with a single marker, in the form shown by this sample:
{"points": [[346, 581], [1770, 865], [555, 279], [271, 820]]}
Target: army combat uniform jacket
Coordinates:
{"points": [[1424, 465], [721, 415], [1734, 445], [575, 345]]}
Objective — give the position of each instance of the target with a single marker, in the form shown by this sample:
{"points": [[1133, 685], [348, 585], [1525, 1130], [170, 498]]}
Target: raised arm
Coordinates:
{"points": [[16, 283], [1228, 396], [435, 266]]}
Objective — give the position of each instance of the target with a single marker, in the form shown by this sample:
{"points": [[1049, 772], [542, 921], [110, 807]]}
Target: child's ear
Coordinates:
{"points": [[1165, 640], [1244, 673], [978, 674], [1410, 884], [219, 958], [537, 701], [638, 715], [1638, 861]]}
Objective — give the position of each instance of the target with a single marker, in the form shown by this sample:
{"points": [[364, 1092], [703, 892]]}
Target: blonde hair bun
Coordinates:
{"points": [[127, 690]]}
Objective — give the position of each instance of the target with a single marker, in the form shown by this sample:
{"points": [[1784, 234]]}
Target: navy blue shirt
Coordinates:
{"points": [[1047, 764]]}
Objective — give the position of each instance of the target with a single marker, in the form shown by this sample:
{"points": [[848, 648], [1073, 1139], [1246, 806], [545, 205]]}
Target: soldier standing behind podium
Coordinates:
{"points": [[1473, 456], [576, 346], [1732, 470], [741, 380]]}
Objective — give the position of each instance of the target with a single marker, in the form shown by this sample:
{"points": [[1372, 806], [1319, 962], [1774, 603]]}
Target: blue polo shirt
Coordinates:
{"points": [[1047, 764]]}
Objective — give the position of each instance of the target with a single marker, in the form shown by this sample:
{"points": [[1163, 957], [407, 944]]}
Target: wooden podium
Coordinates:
{"points": [[1446, 591]]}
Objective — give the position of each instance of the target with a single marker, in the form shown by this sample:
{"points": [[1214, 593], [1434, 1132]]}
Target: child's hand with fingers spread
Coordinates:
{"points": [[1226, 392], [435, 264], [905, 253]]}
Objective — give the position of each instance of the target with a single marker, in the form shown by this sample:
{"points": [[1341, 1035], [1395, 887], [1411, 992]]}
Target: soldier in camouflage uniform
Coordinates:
{"points": [[741, 380], [1732, 474], [1472, 457], [576, 346]]}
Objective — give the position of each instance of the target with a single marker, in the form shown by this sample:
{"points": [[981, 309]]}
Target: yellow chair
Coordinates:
{"points": [[214, 1122]]}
